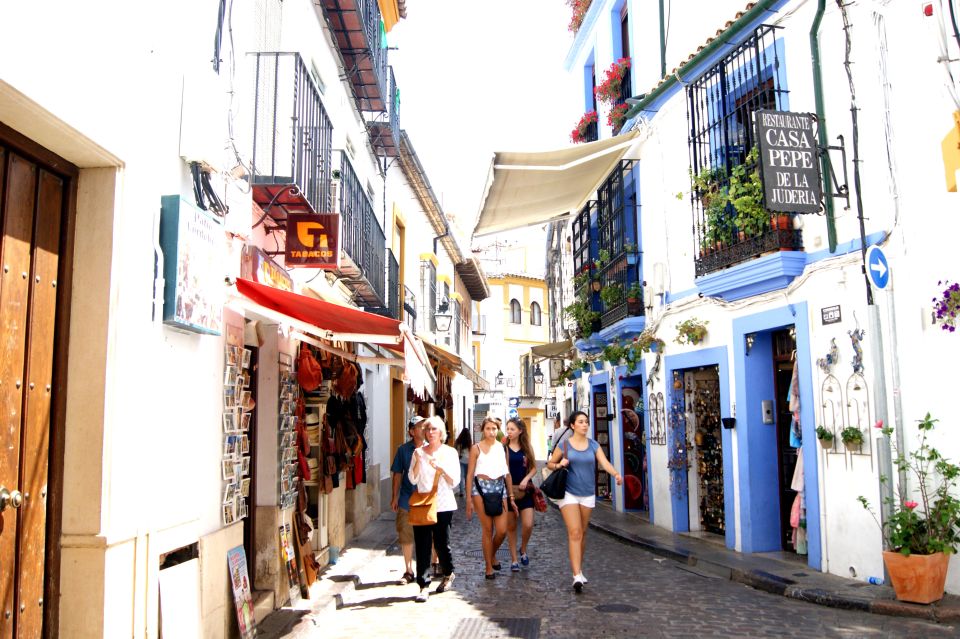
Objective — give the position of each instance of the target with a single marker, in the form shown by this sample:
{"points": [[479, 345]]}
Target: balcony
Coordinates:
{"points": [[741, 248], [292, 139], [355, 25], [384, 130], [363, 243], [410, 308], [617, 241], [392, 308]]}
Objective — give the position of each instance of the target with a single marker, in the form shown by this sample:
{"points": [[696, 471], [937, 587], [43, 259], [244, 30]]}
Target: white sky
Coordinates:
{"points": [[478, 77]]}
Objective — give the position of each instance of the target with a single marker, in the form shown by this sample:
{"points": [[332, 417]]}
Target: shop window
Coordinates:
{"points": [[514, 312]]}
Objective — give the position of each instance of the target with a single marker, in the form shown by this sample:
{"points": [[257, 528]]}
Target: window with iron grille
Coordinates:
{"points": [[720, 107], [456, 326], [428, 296]]}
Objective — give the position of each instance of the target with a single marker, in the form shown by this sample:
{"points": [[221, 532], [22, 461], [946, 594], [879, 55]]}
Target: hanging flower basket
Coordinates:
{"points": [[608, 91], [581, 133], [579, 8], [947, 306]]}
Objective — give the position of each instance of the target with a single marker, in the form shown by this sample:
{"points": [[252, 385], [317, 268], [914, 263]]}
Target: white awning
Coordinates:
{"points": [[526, 189]]}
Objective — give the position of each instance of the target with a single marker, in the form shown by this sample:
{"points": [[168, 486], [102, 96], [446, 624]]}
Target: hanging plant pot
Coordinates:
{"points": [[917, 578], [597, 365], [853, 446], [577, 373], [631, 258], [825, 443]]}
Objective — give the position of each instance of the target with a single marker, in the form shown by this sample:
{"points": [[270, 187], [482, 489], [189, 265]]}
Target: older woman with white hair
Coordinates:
{"points": [[432, 458]]}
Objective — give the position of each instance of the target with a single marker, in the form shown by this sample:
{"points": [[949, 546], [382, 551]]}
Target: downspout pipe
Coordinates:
{"points": [[663, 43], [822, 137], [446, 232]]}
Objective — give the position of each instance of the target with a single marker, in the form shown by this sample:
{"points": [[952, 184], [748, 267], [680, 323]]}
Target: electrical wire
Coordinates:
{"points": [[953, 21]]}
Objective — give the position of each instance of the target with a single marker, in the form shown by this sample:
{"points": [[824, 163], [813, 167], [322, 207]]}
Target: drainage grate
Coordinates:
{"points": [[800, 574], [616, 608], [497, 628], [503, 553]]}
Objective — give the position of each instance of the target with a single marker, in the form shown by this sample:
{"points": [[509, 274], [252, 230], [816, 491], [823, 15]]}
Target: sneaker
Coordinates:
{"points": [[514, 567], [407, 578], [445, 583], [578, 584], [583, 578], [524, 560], [424, 594]]}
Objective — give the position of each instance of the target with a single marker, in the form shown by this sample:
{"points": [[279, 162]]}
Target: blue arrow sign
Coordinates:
{"points": [[878, 269], [513, 413]]}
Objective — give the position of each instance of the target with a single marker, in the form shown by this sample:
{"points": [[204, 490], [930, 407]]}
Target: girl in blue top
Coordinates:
{"points": [[580, 455]]}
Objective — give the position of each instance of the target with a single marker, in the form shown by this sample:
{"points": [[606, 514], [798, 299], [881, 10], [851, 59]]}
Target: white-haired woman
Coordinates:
{"points": [[432, 458]]}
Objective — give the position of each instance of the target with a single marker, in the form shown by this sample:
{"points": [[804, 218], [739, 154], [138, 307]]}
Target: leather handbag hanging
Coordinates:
{"points": [[423, 506], [555, 485]]}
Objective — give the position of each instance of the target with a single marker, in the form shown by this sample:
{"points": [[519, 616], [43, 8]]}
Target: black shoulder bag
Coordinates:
{"points": [[492, 502], [555, 485]]}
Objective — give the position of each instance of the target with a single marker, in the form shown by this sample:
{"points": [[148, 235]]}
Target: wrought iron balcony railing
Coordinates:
{"points": [[356, 28], [362, 239], [619, 280], [740, 248], [392, 290], [591, 134], [410, 308], [292, 138], [384, 129]]}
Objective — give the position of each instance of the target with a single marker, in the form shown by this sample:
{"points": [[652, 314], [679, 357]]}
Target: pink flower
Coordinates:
{"points": [[879, 424], [910, 505]]}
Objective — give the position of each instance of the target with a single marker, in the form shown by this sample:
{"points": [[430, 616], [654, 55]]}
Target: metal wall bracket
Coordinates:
{"points": [[842, 190]]}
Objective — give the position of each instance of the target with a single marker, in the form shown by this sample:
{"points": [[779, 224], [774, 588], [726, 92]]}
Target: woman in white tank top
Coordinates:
{"points": [[488, 473]]}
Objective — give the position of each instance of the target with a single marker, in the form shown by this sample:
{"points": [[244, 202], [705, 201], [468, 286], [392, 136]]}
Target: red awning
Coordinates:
{"points": [[343, 324], [346, 324]]}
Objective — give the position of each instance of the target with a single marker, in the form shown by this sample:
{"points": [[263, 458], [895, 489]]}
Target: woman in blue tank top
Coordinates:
{"points": [[580, 455]]}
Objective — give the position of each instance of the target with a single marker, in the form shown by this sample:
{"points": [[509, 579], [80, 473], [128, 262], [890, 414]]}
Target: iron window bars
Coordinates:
{"points": [[720, 113], [617, 232], [428, 296]]}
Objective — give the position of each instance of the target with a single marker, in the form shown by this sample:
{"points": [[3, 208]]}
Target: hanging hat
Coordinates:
{"points": [[313, 418]]}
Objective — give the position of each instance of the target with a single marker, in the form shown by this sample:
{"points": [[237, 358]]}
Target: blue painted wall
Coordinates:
{"points": [[759, 492], [681, 507]]}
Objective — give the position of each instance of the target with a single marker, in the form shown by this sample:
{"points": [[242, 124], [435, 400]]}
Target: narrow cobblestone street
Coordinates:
{"points": [[631, 593]]}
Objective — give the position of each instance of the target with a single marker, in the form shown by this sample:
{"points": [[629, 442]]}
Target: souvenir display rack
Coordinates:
{"points": [[706, 406], [287, 435], [235, 461]]}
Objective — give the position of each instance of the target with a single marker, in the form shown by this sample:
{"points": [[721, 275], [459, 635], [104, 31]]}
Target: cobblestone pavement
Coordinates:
{"points": [[631, 593]]}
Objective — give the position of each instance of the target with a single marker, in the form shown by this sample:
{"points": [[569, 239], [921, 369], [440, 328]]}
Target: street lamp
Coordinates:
{"points": [[499, 378], [443, 317], [537, 375]]}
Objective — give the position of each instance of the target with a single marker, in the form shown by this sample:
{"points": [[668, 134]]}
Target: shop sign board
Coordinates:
{"points": [[789, 161], [192, 243], [830, 315], [313, 240], [257, 266], [513, 402]]}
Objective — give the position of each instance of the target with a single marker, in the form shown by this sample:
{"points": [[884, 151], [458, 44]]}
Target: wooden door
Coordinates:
{"points": [[33, 198]]}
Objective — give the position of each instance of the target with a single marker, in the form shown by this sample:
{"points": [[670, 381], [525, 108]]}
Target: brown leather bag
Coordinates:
{"points": [[423, 506], [308, 369]]}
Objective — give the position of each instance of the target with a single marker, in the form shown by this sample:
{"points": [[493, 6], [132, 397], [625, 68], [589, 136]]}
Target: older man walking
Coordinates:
{"points": [[402, 489]]}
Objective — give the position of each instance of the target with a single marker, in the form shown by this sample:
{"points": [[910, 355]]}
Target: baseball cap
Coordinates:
{"points": [[416, 419]]}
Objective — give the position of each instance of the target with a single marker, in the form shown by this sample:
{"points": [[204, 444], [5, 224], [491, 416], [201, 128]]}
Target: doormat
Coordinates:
{"points": [[497, 628]]}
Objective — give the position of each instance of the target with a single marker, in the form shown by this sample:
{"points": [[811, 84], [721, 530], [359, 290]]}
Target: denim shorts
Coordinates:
{"points": [[490, 486]]}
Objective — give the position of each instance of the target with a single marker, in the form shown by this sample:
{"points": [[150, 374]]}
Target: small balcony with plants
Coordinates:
{"points": [[362, 240], [356, 28], [618, 256], [614, 91], [731, 224], [586, 129]]}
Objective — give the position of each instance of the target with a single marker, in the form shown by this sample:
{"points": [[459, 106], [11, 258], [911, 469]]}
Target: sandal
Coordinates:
{"points": [[492, 575], [407, 578], [497, 566]]}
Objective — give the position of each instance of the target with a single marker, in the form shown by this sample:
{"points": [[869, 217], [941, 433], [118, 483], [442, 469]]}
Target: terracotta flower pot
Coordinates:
{"points": [[917, 578], [826, 443]]}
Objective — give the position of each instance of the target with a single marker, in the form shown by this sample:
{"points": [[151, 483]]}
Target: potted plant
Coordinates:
{"points": [[580, 312], [634, 298], [648, 342], [579, 11], [852, 438], [691, 331], [608, 91], [611, 295], [617, 116], [947, 306], [614, 352], [746, 196], [825, 437], [581, 133], [631, 250], [919, 535]]}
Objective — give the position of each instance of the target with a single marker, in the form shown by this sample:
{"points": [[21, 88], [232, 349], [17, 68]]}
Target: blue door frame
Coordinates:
{"points": [[681, 503], [757, 443]]}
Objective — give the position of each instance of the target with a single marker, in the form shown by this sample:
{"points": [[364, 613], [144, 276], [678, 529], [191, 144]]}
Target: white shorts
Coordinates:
{"points": [[590, 501]]}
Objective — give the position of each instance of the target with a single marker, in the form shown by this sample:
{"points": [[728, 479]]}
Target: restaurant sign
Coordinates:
{"points": [[789, 162], [313, 240], [192, 242]]}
